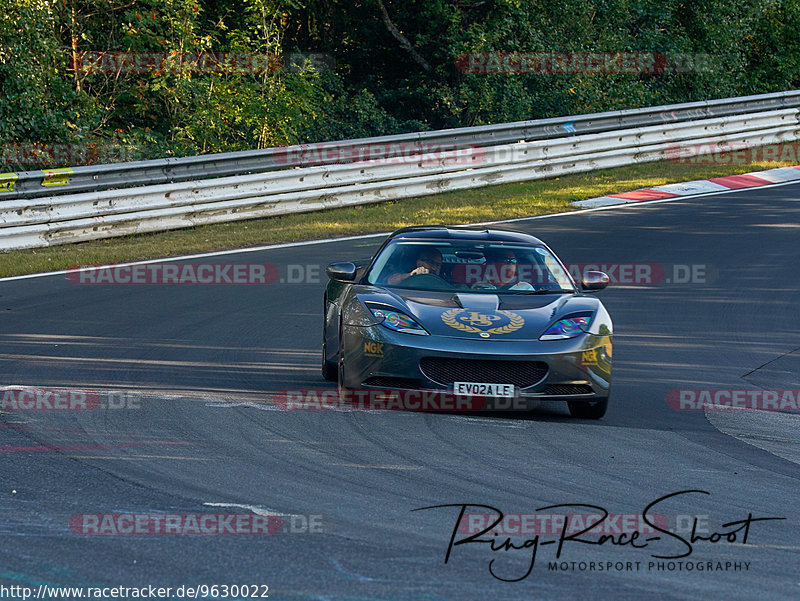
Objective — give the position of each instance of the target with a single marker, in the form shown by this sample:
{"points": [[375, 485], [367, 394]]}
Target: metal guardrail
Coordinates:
{"points": [[27, 223], [70, 180]]}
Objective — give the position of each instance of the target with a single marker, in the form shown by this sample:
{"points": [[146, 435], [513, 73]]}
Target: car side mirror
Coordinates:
{"points": [[342, 271], [594, 280]]}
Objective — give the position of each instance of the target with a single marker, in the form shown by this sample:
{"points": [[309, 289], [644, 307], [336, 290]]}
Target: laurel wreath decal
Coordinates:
{"points": [[515, 322]]}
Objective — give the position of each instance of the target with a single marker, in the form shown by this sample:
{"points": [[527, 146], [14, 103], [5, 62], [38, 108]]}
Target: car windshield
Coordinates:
{"points": [[470, 266]]}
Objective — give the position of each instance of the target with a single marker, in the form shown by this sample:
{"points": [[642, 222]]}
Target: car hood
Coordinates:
{"points": [[481, 316]]}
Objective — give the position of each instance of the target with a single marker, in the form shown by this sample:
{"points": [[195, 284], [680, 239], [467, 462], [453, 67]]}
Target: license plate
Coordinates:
{"points": [[484, 389]]}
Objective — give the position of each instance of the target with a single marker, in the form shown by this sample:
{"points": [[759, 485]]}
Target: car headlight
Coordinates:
{"points": [[568, 327], [397, 321]]}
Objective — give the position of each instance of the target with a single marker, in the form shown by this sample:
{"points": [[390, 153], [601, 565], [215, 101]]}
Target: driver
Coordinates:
{"points": [[429, 260], [501, 272]]}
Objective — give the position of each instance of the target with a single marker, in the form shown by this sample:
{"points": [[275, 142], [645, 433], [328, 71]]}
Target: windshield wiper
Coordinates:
{"points": [[545, 291]]}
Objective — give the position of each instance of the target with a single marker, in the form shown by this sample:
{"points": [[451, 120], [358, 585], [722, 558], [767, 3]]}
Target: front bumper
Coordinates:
{"points": [[578, 369]]}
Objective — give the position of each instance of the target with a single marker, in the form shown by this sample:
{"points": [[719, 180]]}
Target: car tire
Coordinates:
{"points": [[345, 394], [330, 370], [588, 409]]}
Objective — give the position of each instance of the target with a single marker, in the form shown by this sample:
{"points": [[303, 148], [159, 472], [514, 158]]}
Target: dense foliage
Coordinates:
{"points": [[390, 66]]}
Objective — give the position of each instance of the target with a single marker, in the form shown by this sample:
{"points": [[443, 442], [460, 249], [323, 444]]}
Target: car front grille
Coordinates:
{"points": [[446, 370], [391, 382], [567, 389]]}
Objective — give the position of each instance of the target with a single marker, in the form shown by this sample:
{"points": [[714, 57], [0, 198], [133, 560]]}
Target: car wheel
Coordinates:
{"points": [[588, 409], [330, 371], [344, 393]]}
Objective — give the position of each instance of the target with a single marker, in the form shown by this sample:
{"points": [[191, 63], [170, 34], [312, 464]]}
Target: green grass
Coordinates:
{"points": [[504, 201]]}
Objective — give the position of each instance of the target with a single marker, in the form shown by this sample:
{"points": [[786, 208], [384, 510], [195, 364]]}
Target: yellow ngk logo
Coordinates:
{"points": [[481, 320], [373, 349]]}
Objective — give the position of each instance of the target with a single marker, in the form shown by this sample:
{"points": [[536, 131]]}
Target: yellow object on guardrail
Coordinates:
{"points": [[56, 177], [7, 181]]}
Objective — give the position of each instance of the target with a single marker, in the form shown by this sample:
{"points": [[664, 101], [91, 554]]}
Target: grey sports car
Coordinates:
{"points": [[469, 311]]}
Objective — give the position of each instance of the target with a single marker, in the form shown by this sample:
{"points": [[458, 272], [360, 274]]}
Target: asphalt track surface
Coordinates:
{"points": [[202, 360]]}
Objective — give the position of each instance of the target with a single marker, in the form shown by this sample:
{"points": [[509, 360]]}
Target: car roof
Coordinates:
{"points": [[464, 233]]}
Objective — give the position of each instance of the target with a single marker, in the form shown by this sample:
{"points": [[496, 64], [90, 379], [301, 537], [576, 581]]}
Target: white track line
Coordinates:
{"points": [[258, 510], [222, 253]]}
